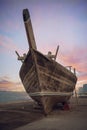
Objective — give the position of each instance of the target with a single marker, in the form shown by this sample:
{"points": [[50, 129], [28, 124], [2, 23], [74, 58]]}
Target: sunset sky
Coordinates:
{"points": [[55, 22]]}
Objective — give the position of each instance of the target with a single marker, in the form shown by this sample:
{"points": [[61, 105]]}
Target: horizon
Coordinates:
{"points": [[62, 23]]}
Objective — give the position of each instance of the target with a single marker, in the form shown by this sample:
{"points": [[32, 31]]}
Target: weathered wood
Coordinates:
{"points": [[56, 53], [52, 86]]}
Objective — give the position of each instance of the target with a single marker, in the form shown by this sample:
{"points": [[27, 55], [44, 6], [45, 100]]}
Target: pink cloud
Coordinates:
{"points": [[82, 76], [76, 57], [8, 85], [7, 44], [8, 25]]}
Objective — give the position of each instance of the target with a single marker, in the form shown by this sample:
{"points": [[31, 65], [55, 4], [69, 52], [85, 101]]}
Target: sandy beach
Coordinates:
{"points": [[24, 115]]}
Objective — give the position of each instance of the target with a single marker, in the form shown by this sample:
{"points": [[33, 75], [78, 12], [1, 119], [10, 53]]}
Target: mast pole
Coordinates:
{"points": [[29, 29]]}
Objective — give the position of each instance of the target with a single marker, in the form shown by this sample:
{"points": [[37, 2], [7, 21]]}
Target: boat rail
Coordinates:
{"points": [[73, 70]]}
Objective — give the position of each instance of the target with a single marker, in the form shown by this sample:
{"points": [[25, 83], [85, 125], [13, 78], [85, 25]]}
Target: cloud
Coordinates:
{"points": [[7, 43], [7, 85], [82, 76], [76, 57], [10, 24]]}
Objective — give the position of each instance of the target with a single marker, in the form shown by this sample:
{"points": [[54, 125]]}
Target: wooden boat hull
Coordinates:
{"points": [[46, 81]]}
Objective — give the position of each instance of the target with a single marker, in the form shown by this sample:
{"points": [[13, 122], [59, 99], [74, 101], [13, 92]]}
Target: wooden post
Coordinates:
{"points": [[75, 89], [56, 52], [74, 71], [18, 56]]}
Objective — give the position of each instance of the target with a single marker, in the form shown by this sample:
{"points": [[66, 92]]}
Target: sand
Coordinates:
{"points": [[13, 115], [24, 116]]}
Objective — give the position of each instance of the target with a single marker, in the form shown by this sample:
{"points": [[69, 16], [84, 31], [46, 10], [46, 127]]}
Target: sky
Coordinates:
{"points": [[55, 22]]}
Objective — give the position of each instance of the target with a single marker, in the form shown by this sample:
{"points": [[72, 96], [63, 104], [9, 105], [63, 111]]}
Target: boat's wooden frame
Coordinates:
{"points": [[45, 80]]}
